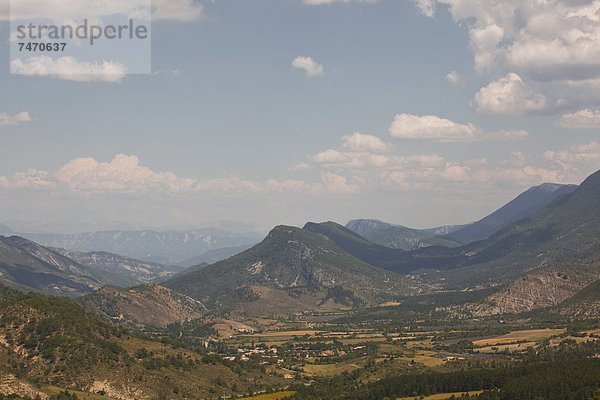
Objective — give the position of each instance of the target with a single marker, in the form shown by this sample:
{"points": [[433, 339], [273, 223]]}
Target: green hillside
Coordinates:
{"points": [[28, 266], [52, 342], [565, 232], [292, 263], [396, 260]]}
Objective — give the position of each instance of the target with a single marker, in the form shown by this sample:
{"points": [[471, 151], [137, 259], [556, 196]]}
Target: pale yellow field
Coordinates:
{"points": [[442, 396], [271, 396], [283, 334], [555, 342], [513, 347], [532, 335], [424, 359], [390, 304], [338, 335], [362, 340], [419, 344]]}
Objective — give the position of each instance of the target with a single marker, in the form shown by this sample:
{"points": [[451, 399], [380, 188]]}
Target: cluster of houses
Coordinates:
{"points": [[453, 358], [245, 353], [278, 355]]}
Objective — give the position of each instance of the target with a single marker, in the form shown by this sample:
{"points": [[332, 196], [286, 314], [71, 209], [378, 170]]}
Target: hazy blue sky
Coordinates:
{"points": [[282, 111]]}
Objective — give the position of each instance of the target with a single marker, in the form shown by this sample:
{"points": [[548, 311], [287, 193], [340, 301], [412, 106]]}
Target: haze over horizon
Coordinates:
{"points": [[421, 113]]}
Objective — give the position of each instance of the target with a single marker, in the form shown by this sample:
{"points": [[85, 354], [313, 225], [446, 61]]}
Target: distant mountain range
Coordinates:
{"points": [[327, 265], [565, 231], [216, 255], [167, 248], [521, 207], [28, 266], [391, 259], [398, 236], [401, 237], [555, 252], [444, 229], [128, 271], [31, 267], [394, 260], [540, 261], [545, 258], [513, 246]]}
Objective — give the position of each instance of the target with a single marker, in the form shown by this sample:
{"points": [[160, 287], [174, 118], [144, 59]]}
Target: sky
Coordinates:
{"points": [[267, 112]]}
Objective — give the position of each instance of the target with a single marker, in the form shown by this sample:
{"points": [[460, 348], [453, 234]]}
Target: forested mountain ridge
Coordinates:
{"points": [[291, 265], [53, 342]]}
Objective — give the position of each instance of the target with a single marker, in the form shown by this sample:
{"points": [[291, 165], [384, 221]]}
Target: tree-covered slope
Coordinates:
{"points": [[566, 231], [290, 261], [52, 341]]}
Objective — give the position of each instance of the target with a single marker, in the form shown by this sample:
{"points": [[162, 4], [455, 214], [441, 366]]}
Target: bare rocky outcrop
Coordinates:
{"points": [[10, 385], [539, 289], [109, 389], [152, 305]]}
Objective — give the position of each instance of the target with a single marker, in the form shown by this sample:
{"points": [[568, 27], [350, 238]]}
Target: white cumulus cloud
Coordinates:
{"points": [[552, 43], [123, 174], [177, 10], [31, 179], [427, 7], [558, 39], [11, 120], [577, 157], [371, 171], [431, 127], [69, 68], [585, 119], [454, 78], [509, 95], [308, 65], [70, 10], [363, 142], [334, 183]]}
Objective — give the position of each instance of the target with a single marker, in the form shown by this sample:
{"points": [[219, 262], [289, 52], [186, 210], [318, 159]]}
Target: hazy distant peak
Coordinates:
{"points": [[520, 207], [551, 187], [5, 230]]}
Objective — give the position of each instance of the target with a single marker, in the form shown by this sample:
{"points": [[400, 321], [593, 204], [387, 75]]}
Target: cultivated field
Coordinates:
{"points": [[533, 335], [331, 369]]}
